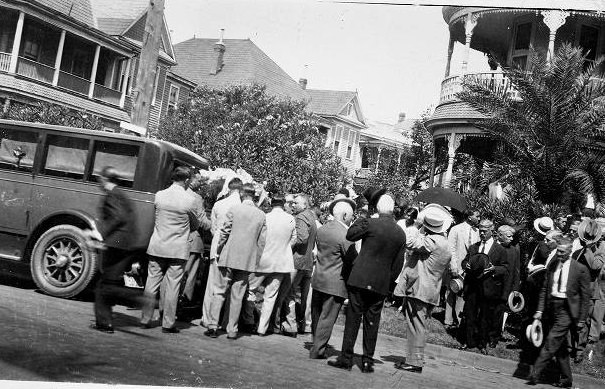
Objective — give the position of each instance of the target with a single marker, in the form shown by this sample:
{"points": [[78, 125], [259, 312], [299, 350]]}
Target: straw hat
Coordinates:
{"points": [[435, 218], [516, 301], [534, 333], [589, 231], [544, 224], [456, 284]]}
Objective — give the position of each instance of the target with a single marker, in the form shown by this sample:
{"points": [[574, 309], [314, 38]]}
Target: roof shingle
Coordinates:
{"points": [[328, 102]]}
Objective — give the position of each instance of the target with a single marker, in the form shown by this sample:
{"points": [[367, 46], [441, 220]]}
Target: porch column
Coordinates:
{"points": [[125, 83], [93, 74], [378, 158], [469, 26], [553, 20], [452, 145], [432, 171], [16, 44], [450, 52], [58, 58]]}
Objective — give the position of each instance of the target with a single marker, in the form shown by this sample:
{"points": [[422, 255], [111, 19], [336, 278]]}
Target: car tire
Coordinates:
{"points": [[61, 264]]}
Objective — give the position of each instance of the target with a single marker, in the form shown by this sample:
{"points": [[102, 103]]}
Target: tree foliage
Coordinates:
{"points": [[48, 113], [544, 119], [274, 140]]}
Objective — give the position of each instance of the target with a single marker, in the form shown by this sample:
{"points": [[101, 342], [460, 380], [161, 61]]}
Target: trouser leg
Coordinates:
{"points": [[371, 322], [326, 308], [219, 294], [155, 275], [459, 307], [305, 288], [583, 334], [272, 286], [450, 307], [416, 316], [354, 313], [215, 284], [239, 285], [191, 270], [113, 264], [255, 281], [174, 275], [596, 319], [471, 320], [289, 307], [280, 309]]}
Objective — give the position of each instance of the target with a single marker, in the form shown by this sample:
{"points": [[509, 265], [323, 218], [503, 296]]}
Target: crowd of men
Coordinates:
{"points": [[308, 266]]}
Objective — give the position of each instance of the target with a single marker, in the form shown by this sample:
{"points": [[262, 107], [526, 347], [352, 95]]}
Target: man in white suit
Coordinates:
{"points": [[175, 217], [215, 281], [276, 262], [241, 243], [461, 237]]}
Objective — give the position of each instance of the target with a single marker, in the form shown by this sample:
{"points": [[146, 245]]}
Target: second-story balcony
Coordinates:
{"points": [[452, 85]]}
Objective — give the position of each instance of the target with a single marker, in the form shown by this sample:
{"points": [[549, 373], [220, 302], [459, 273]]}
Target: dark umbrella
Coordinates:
{"points": [[442, 196]]}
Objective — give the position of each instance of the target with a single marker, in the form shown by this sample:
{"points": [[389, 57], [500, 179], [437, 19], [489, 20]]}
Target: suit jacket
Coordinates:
{"points": [[175, 218], [578, 289], [334, 259], [460, 238], [381, 256], [424, 267], [594, 259], [196, 244], [281, 235], [513, 257], [242, 237], [492, 285], [218, 216], [117, 223], [306, 231]]}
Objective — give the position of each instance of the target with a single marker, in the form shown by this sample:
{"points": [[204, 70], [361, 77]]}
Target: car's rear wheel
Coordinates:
{"points": [[61, 265]]}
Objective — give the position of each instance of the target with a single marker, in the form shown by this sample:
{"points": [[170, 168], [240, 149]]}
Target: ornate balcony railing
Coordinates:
{"points": [[36, 70], [453, 84], [106, 94], [5, 61], [73, 82]]}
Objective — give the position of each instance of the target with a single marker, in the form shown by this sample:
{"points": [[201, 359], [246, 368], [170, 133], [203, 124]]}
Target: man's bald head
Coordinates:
{"points": [[343, 212]]}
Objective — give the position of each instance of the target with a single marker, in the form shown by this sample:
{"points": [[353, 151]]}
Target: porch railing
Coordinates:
{"points": [[453, 85], [73, 82], [106, 94], [36, 70], [5, 61]]}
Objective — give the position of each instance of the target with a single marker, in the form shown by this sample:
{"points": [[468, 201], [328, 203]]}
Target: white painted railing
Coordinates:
{"points": [[453, 85], [5, 61]]}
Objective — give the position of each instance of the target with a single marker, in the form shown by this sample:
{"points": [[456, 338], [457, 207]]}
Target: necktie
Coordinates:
{"points": [[560, 289], [482, 249]]}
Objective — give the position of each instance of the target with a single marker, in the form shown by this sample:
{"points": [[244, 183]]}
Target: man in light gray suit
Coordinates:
{"points": [[335, 257], [175, 217], [241, 243]]}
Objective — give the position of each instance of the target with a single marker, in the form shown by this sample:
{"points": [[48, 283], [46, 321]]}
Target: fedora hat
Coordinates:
{"points": [[435, 218], [589, 231], [456, 284], [544, 224], [534, 333], [372, 195], [516, 301], [341, 198]]}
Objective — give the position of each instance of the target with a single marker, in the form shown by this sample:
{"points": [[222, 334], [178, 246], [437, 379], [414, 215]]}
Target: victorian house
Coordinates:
{"points": [[505, 35], [79, 54]]}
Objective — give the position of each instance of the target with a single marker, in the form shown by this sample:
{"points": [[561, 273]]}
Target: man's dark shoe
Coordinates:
{"points": [[408, 367], [367, 367], [102, 328], [212, 332], [317, 356], [146, 326], [562, 384], [531, 382], [289, 334], [247, 329], [340, 364], [171, 330]]}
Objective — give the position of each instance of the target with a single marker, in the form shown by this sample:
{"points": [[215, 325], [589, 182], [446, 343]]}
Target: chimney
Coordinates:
{"points": [[303, 83], [219, 50], [401, 117]]}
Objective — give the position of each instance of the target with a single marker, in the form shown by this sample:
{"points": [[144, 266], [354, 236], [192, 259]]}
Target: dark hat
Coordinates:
{"points": [[478, 262], [339, 198], [372, 195]]}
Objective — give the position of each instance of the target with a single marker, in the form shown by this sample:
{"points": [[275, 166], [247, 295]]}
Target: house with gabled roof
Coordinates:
{"points": [[80, 54]]}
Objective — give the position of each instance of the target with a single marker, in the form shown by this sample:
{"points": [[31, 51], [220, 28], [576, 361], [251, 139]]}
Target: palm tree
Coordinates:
{"points": [[544, 120]]}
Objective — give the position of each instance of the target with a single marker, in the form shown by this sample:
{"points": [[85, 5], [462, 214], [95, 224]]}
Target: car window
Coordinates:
{"points": [[66, 156], [17, 149], [122, 157]]}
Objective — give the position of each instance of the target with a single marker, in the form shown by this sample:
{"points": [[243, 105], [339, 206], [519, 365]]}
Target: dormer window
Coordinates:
{"points": [[348, 110]]}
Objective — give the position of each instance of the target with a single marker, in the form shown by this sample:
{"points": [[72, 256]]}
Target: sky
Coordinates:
{"points": [[393, 56]]}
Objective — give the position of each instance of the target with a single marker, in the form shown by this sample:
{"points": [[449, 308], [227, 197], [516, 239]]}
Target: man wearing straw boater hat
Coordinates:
{"points": [[564, 300], [591, 255], [420, 282]]}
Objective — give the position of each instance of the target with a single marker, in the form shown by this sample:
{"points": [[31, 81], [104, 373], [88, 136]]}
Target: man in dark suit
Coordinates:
{"points": [[564, 300], [380, 260], [482, 289], [335, 256], [115, 229]]}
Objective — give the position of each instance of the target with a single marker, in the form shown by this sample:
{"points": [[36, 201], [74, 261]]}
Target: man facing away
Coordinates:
{"points": [[300, 278], [276, 262], [215, 282], [460, 238], [335, 257], [564, 300], [379, 261], [168, 251], [116, 228], [241, 244]]}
